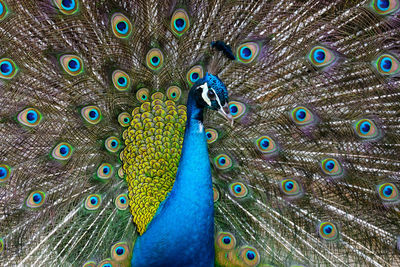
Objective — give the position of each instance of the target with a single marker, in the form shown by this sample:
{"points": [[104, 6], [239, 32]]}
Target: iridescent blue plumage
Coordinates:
{"points": [[188, 211]]}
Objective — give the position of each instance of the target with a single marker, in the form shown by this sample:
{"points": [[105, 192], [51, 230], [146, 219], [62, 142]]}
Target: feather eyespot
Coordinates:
{"points": [[222, 162], [236, 109], [120, 251], [238, 190], [328, 231], [5, 173], [174, 93], [93, 202], [121, 173], [67, 7], [105, 171], [366, 128], [3, 10], [107, 263], [266, 145], [143, 95], [215, 194], [290, 187], [112, 144], [302, 116], [247, 52], [35, 199], [387, 65], [250, 256], [8, 69], [121, 202], [388, 192], [73, 65], [226, 240], [385, 7], [211, 135], [30, 117], [121, 80], [124, 119], [180, 22], [321, 56], [62, 151], [154, 59], [91, 114], [89, 264], [121, 25], [331, 166], [194, 74]]}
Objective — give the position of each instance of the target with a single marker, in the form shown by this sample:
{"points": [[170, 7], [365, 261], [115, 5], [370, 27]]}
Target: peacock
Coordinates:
{"points": [[199, 133]]}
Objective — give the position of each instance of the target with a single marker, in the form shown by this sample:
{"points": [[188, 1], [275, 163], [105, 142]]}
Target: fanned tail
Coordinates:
{"points": [[308, 174]]}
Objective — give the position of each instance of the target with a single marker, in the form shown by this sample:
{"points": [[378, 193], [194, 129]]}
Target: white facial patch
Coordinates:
{"points": [[205, 96]]}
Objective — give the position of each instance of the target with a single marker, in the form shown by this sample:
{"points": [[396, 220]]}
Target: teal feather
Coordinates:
{"points": [[307, 175]]}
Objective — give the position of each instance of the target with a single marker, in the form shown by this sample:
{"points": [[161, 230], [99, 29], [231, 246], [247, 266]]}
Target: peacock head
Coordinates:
{"points": [[210, 92]]}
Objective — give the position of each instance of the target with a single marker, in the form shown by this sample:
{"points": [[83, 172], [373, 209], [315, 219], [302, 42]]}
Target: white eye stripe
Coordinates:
{"points": [[205, 96]]}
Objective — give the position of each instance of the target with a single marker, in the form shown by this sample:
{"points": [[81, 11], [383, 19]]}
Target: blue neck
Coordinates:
{"points": [[182, 232]]}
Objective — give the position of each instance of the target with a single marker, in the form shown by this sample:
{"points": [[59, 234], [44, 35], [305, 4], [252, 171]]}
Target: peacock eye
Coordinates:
{"points": [[366, 129], [35, 199], [121, 80], [302, 116], [89, 264], [120, 251], [67, 7], [250, 256], [30, 117], [194, 74], [211, 135], [226, 240], [121, 202], [321, 56], [143, 95], [211, 95], [266, 145], [387, 65], [331, 166], [112, 144], [223, 162], [154, 59], [328, 231], [388, 192], [174, 93], [62, 151], [385, 7], [3, 13], [91, 114], [73, 65], [215, 194], [180, 22], [5, 173], [247, 52], [124, 119], [8, 69], [238, 189], [290, 187], [121, 25], [93, 202], [105, 171]]}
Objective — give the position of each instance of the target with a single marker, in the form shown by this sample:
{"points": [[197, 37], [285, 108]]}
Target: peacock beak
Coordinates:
{"points": [[224, 111]]}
